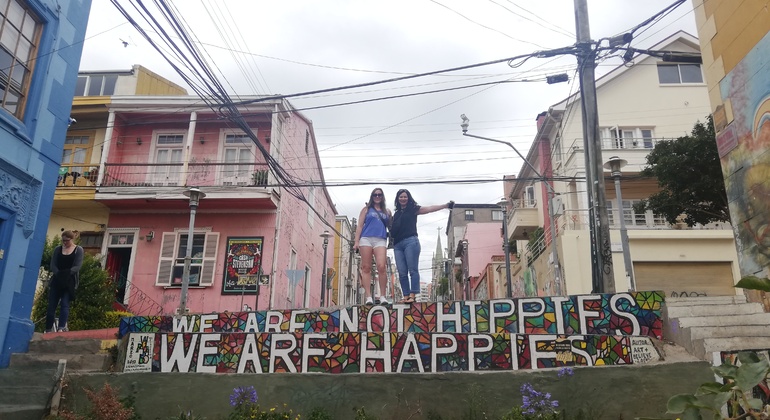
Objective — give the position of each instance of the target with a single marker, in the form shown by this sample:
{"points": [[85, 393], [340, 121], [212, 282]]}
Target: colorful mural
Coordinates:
{"points": [[629, 314], [743, 146], [376, 352]]}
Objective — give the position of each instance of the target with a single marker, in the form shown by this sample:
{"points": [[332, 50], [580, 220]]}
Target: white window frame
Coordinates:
{"points": [[169, 261], [679, 73], [627, 137], [311, 206], [528, 198], [497, 215], [169, 175], [240, 176]]}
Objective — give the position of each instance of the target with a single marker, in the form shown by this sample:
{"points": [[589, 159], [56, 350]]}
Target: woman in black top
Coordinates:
{"points": [[66, 261], [406, 246]]}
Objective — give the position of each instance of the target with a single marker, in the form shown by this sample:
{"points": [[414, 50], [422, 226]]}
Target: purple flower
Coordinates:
{"points": [[565, 371], [243, 395], [535, 402]]}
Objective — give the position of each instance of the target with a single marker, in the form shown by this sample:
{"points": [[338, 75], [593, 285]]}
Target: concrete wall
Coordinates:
{"points": [[611, 392]]}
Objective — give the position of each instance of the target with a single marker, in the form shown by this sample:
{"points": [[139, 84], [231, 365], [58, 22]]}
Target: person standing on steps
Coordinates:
{"points": [[372, 239], [406, 245], [66, 261]]}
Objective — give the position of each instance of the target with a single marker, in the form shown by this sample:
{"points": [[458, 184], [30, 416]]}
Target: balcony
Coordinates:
{"points": [[176, 175], [523, 219], [77, 175]]}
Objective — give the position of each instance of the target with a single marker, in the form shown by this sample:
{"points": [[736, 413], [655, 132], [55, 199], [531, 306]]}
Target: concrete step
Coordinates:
{"points": [[705, 300], [730, 331], [67, 346], [721, 321], [705, 347], [25, 392], [75, 362], [714, 310]]}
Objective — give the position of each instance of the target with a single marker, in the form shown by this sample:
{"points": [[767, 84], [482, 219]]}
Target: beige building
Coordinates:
{"points": [[639, 105]]}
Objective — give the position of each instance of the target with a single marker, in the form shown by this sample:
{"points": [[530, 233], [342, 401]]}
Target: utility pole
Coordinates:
{"points": [[349, 279], [603, 280]]}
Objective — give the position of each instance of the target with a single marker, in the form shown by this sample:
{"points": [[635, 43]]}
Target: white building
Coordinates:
{"points": [[639, 105]]}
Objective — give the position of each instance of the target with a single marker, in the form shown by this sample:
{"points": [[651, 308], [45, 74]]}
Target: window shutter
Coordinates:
{"points": [[209, 259], [166, 262]]}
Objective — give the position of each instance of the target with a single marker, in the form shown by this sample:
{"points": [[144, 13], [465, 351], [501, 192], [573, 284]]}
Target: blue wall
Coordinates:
{"points": [[30, 154]]}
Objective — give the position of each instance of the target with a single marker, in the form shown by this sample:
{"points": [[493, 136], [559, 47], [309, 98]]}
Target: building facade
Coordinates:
{"points": [[735, 41], [639, 105], [256, 234], [41, 42]]}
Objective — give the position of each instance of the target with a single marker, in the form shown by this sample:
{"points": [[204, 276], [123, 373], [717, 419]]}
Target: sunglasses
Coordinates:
{"points": [[66, 239], [377, 195]]}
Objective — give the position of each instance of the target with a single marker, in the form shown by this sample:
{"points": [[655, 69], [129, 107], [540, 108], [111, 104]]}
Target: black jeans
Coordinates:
{"points": [[55, 295]]}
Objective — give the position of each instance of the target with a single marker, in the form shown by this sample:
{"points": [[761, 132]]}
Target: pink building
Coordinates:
{"points": [[256, 232], [479, 244]]}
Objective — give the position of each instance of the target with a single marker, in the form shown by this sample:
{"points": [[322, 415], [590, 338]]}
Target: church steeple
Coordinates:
{"points": [[439, 254]]}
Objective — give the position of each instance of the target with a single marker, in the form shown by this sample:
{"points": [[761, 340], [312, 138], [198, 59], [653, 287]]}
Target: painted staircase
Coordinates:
{"points": [[707, 327]]}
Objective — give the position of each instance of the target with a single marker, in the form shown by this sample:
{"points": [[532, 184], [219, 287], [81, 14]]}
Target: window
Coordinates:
{"points": [[627, 138], [307, 141], [75, 151], [168, 157], [172, 254], [91, 242], [96, 85], [529, 196], [679, 73], [311, 206], [238, 155], [19, 37], [497, 215], [468, 214]]}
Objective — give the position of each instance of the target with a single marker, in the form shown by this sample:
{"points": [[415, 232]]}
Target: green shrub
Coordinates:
{"points": [[93, 299]]}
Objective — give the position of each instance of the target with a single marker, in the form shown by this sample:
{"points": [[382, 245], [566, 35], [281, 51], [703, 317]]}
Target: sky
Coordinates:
{"points": [[413, 141]]}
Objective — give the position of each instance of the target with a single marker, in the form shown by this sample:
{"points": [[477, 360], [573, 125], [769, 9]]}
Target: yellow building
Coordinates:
{"points": [[74, 207], [735, 45]]}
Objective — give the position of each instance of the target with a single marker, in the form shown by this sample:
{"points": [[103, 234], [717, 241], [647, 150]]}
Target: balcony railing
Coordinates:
{"points": [[578, 220], [173, 174], [624, 143], [77, 175]]}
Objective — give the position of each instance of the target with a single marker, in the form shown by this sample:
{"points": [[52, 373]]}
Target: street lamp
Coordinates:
{"points": [[326, 236], [551, 215], [614, 164], [504, 207], [195, 195]]}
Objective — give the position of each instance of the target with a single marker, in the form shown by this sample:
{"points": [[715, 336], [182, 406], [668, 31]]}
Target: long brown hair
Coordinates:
{"points": [[370, 203]]}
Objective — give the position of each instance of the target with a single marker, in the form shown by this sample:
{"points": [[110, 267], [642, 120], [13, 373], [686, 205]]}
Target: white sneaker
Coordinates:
{"points": [[384, 301], [369, 301]]}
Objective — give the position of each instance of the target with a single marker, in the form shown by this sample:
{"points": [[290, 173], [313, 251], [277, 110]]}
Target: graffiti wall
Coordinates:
{"points": [[633, 314], [375, 352], [502, 334], [743, 146]]}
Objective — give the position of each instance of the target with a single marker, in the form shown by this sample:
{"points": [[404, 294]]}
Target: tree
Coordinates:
{"points": [[690, 177]]}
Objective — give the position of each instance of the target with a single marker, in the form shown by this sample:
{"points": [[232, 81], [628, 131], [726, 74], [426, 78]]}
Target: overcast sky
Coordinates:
{"points": [[283, 47]]}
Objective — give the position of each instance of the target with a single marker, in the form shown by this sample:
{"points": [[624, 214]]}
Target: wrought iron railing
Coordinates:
{"points": [[174, 174]]}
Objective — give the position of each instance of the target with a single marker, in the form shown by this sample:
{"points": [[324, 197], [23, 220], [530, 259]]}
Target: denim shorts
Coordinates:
{"points": [[373, 242]]}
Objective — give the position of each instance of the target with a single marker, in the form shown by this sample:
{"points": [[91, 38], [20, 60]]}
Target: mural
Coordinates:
{"points": [[631, 314], [375, 352], [743, 147]]}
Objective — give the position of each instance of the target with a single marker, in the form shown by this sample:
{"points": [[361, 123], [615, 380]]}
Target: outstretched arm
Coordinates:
{"points": [[437, 207]]}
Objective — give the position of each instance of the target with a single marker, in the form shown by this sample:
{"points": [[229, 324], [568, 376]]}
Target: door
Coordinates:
{"points": [[685, 278], [76, 151], [168, 159], [238, 156]]}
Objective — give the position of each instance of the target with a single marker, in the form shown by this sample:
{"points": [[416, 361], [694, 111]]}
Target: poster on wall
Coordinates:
{"points": [[243, 263], [139, 353]]}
